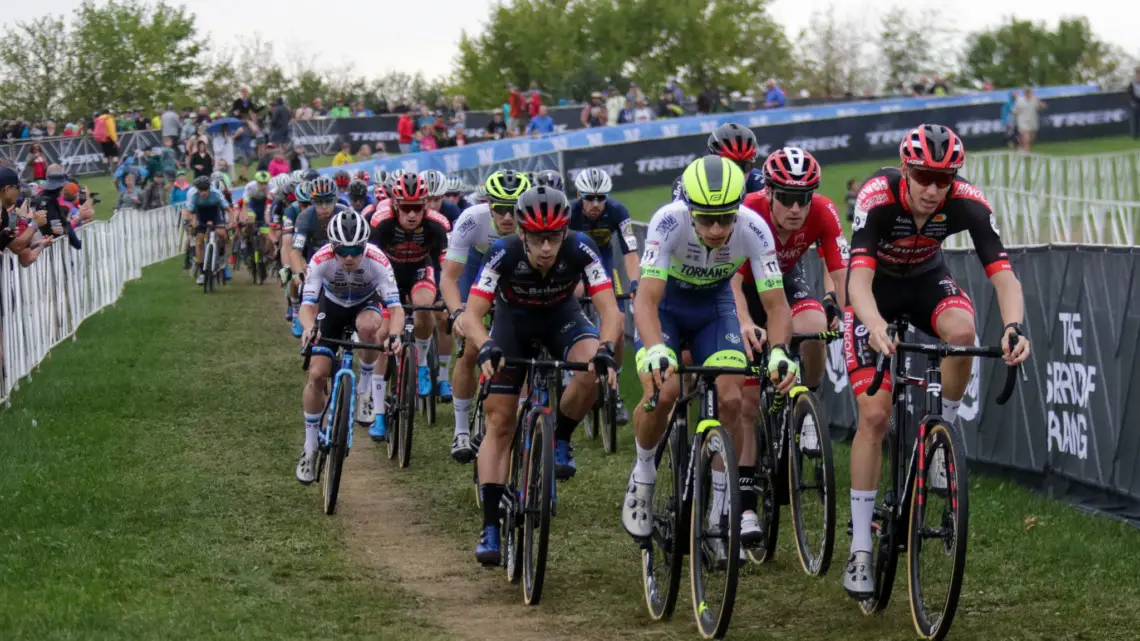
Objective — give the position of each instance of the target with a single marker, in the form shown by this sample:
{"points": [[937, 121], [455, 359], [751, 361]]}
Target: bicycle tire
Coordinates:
{"points": [[208, 271], [593, 419], [886, 545], [432, 398], [393, 406], [939, 435], [477, 428], [766, 484], [408, 411], [812, 563], [714, 442], [537, 502], [669, 532], [608, 416], [512, 519], [338, 444]]}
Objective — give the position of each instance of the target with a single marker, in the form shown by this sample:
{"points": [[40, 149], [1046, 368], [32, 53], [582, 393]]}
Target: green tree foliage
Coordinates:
{"points": [[908, 51], [573, 47], [833, 57], [34, 63], [1022, 52]]}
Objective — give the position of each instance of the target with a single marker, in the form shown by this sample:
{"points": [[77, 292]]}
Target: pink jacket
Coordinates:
{"points": [[278, 166]]}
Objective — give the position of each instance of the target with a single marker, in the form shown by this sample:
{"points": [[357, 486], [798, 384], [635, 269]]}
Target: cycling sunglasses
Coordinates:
{"points": [[926, 178], [601, 198], [346, 251], [503, 210], [707, 220], [792, 198], [324, 202], [538, 239], [411, 208]]}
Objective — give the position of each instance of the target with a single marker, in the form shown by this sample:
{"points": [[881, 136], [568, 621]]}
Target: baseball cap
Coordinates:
{"points": [[9, 177]]}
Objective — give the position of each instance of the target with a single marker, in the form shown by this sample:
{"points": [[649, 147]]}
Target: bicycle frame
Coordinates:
{"points": [[345, 373]]}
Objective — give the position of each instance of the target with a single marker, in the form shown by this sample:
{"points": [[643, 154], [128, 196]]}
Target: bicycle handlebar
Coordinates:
{"points": [[943, 349], [426, 308], [704, 371], [828, 336], [588, 299], [307, 350], [541, 364]]}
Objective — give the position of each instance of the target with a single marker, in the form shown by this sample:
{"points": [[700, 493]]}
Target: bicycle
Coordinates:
{"points": [[401, 399], [428, 403], [254, 245], [210, 261], [602, 418], [911, 487], [781, 466], [335, 436], [686, 497]]}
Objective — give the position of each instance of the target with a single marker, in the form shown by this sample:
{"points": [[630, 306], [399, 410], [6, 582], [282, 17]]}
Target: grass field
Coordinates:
{"points": [[148, 492]]}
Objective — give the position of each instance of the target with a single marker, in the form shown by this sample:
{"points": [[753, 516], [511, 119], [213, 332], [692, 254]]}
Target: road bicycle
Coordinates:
{"points": [[907, 519]]}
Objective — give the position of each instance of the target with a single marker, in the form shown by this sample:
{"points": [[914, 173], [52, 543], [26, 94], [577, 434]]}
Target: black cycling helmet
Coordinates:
{"points": [[549, 178], [357, 190], [342, 178], [310, 174], [202, 182]]}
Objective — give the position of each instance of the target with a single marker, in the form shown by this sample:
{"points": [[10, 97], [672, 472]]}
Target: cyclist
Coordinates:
{"points": [[362, 175], [530, 277], [358, 196], [252, 208], [413, 238], [437, 189], [454, 191], [437, 184], [342, 179], [600, 217], [692, 250], [209, 207], [288, 227], [550, 178], [477, 228], [799, 218], [897, 268], [738, 144], [349, 285], [309, 231]]}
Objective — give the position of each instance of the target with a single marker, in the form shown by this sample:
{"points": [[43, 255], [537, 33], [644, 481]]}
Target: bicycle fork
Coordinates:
{"points": [[326, 435]]}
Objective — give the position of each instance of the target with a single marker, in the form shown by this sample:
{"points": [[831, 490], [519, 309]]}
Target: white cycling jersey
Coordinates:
{"points": [[675, 254], [473, 230], [347, 289]]}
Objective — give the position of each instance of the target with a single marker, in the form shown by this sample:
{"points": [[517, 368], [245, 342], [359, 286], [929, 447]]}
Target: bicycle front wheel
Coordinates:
{"points": [[714, 532], [338, 442], [393, 405], [407, 408], [537, 501], [663, 555], [608, 417], [811, 484], [939, 525]]}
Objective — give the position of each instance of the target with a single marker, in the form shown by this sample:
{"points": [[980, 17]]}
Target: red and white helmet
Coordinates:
{"points": [[932, 147], [792, 169]]}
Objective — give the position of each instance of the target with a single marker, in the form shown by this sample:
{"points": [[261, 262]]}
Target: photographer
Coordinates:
{"points": [[19, 227], [58, 218]]}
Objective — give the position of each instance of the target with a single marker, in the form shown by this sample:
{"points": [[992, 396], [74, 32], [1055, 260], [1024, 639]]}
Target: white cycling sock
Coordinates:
{"points": [[312, 424], [950, 410], [422, 347], [444, 361], [379, 389], [719, 487], [462, 408], [366, 370], [644, 470], [862, 513]]}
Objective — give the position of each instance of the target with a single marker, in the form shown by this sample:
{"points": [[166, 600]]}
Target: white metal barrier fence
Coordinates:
{"points": [[1109, 176], [43, 304]]}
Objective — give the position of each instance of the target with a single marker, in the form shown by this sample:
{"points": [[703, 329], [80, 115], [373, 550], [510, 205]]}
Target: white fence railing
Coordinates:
{"points": [[43, 304], [1109, 176]]}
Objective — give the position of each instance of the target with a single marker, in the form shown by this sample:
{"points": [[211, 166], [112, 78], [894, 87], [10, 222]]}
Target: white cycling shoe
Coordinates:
{"points": [[809, 437], [307, 467], [365, 412], [637, 509]]}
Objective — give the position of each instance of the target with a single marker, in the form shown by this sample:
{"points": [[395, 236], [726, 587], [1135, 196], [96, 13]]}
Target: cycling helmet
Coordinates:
{"points": [[310, 174], [733, 141], [380, 192], [713, 185], [202, 182], [302, 192], [220, 185], [409, 188], [792, 169], [342, 178], [932, 147], [287, 184], [435, 181], [323, 187], [395, 175], [380, 176], [222, 176], [505, 187], [481, 194], [593, 181], [362, 175], [542, 209], [297, 175], [454, 185], [357, 190], [549, 178], [349, 229], [261, 177]]}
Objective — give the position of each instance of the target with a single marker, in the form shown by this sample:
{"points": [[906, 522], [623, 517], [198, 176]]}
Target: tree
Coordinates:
{"points": [[128, 53], [907, 49], [34, 59], [1022, 52], [833, 56]]}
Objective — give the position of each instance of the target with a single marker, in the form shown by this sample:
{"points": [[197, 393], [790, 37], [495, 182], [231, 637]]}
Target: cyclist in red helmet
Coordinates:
{"points": [[799, 218], [897, 269], [530, 278]]}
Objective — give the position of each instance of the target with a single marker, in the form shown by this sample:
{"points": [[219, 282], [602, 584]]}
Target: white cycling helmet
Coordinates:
{"points": [[297, 174], [454, 185], [349, 229], [436, 182], [393, 176], [593, 181], [380, 177]]}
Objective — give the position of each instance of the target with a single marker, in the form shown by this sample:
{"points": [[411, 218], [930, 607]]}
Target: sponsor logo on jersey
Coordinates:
{"points": [[938, 218], [732, 338], [467, 226], [712, 272], [966, 190], [666, 225], [657, 164], [875, 193]]}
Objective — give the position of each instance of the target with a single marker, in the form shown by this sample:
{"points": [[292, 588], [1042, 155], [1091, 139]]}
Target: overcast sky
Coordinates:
{"points": [[367, 32]]}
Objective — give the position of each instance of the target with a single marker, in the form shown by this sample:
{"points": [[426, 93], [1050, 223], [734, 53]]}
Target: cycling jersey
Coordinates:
{"points": [[614, 218], [255, 200], [508, 272], [821, 227], [289, 217], [415, 254], [310, 233], [450, 211], [885, 237], [674, 253], [209, 210], [372, 276], [473, 233], [752, 184]]}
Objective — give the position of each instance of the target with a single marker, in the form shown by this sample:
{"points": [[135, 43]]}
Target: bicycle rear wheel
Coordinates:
{"points": [[608, 416], [537, 500], [663, 555], [811, 485], [433, 369], [208, 269], [408, 408], [476, 428], [341, 423], [512, 509], [939, 525], [714, 578]]}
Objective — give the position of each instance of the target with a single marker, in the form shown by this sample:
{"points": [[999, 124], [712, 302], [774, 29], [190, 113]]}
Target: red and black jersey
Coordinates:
{"points": [[885, 237], [821, 228], [423, 245]]}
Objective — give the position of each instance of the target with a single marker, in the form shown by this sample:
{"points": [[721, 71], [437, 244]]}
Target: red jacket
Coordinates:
{"points": [[516, 101], [405, 128], [533, 103]]}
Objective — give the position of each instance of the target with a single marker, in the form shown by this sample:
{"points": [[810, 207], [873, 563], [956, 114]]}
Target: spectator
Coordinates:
{"points": [[223, 145], [201, 162], [674, 88], [517, 106], [667, 107], [244, 153], [405, 127], [244, 108], [642, 113], [939, 87], [180, 188], [428, 142], [217, 112], [416, 139], [125, 122], [155, 194], [37, 162], [774, 97], [460, 136], [459, 110], [614, 105], [19, 228], [401, 107], [707, 100], [171, 124], [425, 116], [1025, 113], [625, 116], [1008, 121], [364, 153], [340, 110], [298, 159], [107, 136], [279, 123], [77, 214], [265, 156], [169, 157], [318, 109], [130, 197], [919, 88], [279, 165], [360, 111], [304, 112], [153, 164], [533, 100], [1134, 99], [344, 156], [594, 114], [540, 123], [496, 129]]}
